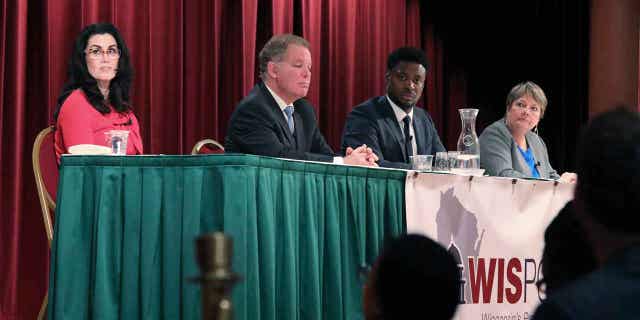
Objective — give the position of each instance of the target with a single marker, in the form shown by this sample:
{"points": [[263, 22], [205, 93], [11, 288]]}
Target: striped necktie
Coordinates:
{"points": [[289, 111]]}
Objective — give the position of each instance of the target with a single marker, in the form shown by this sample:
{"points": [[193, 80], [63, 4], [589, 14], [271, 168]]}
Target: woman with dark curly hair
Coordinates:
{"points": [[95, 98]]}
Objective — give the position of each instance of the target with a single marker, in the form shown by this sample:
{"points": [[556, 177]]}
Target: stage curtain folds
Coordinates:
{"points": [[194, 61]]}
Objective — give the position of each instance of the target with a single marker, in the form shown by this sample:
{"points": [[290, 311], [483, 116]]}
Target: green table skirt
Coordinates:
{"points": [[125, 228]]}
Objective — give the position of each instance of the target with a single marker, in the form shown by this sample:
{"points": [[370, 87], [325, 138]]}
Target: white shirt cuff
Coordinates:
{"points": [[338, 160]]}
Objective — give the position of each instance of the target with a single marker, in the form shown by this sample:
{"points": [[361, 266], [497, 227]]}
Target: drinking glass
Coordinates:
{"points": [[117, 141], [421, 162], [453, 156], [442, 161]]}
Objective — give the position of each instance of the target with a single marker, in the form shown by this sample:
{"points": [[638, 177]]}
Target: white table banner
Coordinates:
{"points": [[495, 227]]}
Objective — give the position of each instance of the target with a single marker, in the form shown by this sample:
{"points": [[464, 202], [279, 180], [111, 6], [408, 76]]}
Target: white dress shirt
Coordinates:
{"points": [[400, 115], [282, 105]]}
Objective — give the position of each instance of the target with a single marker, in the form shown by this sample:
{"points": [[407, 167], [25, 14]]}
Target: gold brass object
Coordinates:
{"points": [[214, 252]]}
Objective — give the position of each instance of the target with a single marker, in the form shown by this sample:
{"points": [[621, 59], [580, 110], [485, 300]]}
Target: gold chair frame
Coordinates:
{"points": [[204, 142], [46, 202]]}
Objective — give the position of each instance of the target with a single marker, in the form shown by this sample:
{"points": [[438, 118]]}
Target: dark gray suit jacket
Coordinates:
{"points": [[258, 126], [499, 154], [373, 123]]}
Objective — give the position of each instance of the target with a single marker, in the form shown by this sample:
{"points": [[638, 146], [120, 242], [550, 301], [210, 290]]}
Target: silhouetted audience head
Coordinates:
{"points": [[414, 277], [606, 205], [567, 252], [608, 168]]}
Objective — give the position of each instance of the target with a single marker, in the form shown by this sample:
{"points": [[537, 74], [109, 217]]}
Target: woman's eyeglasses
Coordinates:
{"points": [[96, 53], [531, 109]]}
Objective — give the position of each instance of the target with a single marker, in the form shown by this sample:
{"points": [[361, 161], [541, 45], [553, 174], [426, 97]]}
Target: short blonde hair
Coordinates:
{"points": [[531, 89]]}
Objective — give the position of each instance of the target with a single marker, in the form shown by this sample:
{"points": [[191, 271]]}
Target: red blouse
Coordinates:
{"points": [[80, 123]]}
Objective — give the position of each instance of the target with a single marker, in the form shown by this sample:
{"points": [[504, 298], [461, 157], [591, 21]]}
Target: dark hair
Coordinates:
{"points": [[407, 54], [415, 275], [275, 49], [79, 76], [609, 171], [567, 253]]}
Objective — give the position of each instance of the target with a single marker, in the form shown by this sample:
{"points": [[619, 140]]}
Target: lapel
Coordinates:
{"points": [[419, 126], [277, 113], [392, 125], [298, 128]]}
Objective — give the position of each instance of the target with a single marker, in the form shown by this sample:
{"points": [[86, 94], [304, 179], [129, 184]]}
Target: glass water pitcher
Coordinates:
{"points": [[468, 146]]}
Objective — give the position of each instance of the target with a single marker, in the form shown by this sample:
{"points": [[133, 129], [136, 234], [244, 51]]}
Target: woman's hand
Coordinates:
{"points": [[568, 177]]}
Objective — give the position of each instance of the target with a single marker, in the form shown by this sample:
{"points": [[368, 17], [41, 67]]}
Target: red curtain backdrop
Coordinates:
{"points": [[194, 61]]}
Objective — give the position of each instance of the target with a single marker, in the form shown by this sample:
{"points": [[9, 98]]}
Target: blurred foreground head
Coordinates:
{"points": [[608, 168], [414, 277]]}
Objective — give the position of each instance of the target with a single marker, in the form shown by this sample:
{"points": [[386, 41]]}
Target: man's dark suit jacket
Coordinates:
{"points": [[373, 123], [258, 126]]}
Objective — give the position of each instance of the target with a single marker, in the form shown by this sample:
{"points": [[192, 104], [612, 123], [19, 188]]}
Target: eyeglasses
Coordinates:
{"points": [[522, 106], [96, 53]]}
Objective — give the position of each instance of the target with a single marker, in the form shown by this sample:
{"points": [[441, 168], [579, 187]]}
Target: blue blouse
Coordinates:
{"points": [[531, 162]]}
